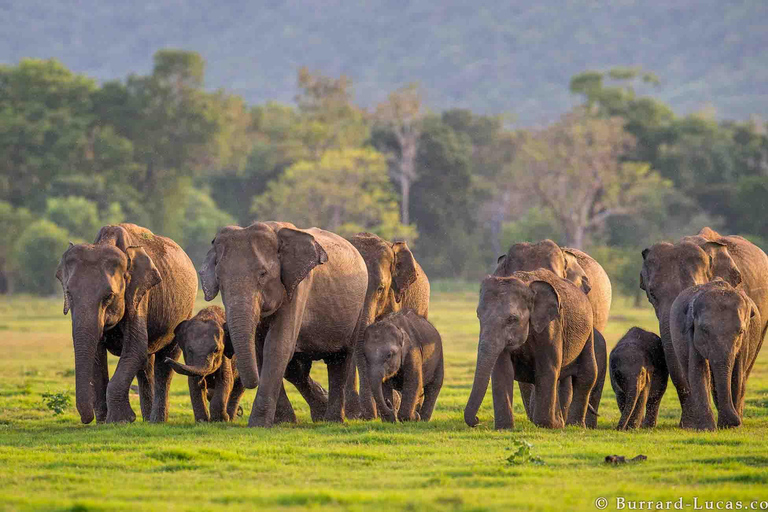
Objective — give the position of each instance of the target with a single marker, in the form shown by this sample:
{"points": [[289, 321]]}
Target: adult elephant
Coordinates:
{"points": [[587, 274], [303, 291], [127, 291], [395, 281], [668, 269]]}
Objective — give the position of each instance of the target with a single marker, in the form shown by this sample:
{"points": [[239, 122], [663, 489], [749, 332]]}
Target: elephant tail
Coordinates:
{"points": [[592, 409]]}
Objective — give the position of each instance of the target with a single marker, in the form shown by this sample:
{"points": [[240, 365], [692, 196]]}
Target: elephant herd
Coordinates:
{"points": [[294, 296]]}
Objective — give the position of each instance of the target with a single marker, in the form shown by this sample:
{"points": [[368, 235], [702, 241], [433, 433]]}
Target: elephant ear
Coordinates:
{"points": [[207, 274], [405, 269], [178, 333], [229, 350], [689, 326], [143, 276], [721, 263], [574, 272], [299, 253], [62, 279], [546, 305]]}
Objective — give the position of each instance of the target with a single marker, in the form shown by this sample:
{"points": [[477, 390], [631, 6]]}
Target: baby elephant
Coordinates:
{"points": [[716, 334], [404, 352], [638, 377], [210, 365]]}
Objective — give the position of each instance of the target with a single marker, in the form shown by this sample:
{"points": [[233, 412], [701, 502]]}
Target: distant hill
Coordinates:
{"points": [[491, 56]]}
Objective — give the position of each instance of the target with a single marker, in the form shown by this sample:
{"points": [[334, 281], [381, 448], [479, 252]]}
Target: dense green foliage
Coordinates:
{"points": [[489, 56], [52, 462], [613, 175]]}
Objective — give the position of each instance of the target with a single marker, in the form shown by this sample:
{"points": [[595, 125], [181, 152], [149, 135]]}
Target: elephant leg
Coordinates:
{"points": [[146, 380], [700, 415], [220, 398], [234, 399], [133, 359], [413, 386], [583, 382], [545, 410], [432, 390], [597, 391], [163, 377], [527, 394], [565, 395], [658, 388], [197, 397], [338, 371], [298, 374], [284, 412], [100, 381], [365, 398], [502, 388], [352, 409]]}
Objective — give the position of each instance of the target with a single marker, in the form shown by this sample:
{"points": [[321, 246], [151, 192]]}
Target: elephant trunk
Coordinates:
{"points": [[376, 382], [191, 371], [243, 319], [487, 355], [722, 371], [87, 330]]}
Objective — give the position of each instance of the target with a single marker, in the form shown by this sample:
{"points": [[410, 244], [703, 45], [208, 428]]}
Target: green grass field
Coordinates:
{"points": [[50, 462]]}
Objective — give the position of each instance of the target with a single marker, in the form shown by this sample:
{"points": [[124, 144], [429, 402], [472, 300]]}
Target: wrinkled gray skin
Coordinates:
{"points": [[209, 365], [587, 274], [639, 378], [291, 296], [404, 350], [127, 291], [716, 333], [535, 327], [668, 269], [395, 281]]}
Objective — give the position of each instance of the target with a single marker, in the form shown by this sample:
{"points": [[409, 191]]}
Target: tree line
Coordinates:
{"points": [[616, 173]]}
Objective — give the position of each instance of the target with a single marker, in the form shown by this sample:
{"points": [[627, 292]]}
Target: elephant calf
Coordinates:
{"points": [[404, 352], [716, 332], [638, 377], [210, 365]]}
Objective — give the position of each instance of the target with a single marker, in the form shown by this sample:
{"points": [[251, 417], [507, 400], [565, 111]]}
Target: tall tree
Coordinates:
{"points": [[346, 191], [329, 117], [575, 168], [403, 114]]}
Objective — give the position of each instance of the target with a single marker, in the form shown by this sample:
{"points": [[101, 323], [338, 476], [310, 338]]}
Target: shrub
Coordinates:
{"points": [[77, 215]]}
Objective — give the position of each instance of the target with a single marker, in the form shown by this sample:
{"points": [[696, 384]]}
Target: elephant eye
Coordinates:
{"points": [[380, 288], [262, 272], [513, 319], [109, 298]]}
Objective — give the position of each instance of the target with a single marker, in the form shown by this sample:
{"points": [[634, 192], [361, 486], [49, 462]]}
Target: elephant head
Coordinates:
{"points": [[668, 269], [547, 255], [717, 323], [204, 341], [391, 270], [509, 309], [102, 284], [384, 350], [257, 269]]}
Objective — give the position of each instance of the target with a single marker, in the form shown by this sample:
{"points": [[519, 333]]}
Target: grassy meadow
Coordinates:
{"points": [[52, 462]]}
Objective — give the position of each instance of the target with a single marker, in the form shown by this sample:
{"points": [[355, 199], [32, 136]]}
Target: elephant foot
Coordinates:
{"points": [[317, 411], [101, 415], [283, 416], [728, 423], [504, 425], [552, 423], [120, 413], [352, 409]]}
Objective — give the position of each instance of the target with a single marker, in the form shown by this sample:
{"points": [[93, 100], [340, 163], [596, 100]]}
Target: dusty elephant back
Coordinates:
{"points": [[601, 294], [173, 299]]}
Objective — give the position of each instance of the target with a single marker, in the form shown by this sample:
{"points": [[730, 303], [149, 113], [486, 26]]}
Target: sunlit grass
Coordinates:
{"points": [[52, 462]]}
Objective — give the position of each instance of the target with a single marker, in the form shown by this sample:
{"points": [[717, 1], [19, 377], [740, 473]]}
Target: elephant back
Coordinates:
{"points": [[601, 294]]}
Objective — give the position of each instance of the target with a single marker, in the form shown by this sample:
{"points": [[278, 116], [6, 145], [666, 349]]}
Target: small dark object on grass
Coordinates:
{"points": [[620, 459], [57, 402]]}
